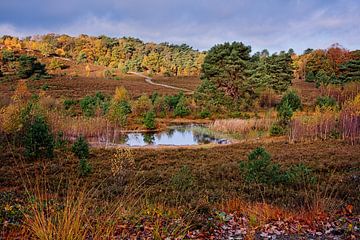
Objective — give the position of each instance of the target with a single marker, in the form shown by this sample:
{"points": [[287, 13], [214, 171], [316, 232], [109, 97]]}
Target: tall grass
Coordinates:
{"points": [[242, 126]]}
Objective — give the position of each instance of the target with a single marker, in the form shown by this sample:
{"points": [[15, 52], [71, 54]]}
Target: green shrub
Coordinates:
{"points": [[7, 56], [28, 66], [183, 179], [205, 113], [326, 102], [45, 87], [84, 167], [172, 101], [260, 169], [181, 109], [299, 175], [149, 120], [68, 103], [90, 104], [39, 141], [276, 130], [119, 111], [292, 99], [285, 112], [60, 142], [80, 148]]}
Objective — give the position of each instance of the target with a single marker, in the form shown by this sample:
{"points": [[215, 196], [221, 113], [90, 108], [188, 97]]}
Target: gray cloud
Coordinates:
{"points": [[273, 24]]}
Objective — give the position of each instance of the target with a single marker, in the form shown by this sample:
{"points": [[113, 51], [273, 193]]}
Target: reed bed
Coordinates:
{"points": [[76, 126], [242, 126]]}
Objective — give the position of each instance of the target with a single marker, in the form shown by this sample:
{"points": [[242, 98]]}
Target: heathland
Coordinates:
{"points": [[291, 167]]}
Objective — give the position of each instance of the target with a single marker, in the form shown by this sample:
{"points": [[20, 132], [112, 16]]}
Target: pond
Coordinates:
{"points": [[182, 135]]}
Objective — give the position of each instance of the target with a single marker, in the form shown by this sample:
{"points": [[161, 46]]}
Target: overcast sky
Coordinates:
{"points": [[272, 24]]}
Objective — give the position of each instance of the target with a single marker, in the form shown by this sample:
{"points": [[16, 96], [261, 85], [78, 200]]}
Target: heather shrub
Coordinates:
{"points": [[183, 179]]}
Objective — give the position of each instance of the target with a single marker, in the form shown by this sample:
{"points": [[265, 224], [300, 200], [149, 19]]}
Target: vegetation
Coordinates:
{"points": [[304, 110]]}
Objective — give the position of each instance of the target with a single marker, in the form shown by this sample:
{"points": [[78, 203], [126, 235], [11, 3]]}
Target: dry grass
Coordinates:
{"points": [[242, 126]]}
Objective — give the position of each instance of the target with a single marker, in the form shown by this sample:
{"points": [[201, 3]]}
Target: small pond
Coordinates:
{"points": [[182, 135]]}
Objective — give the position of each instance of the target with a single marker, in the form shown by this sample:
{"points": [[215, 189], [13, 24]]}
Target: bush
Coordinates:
{"points": [[39, 141], [300, 174], [28, 66], [80, 148], [326, 102], [119, 111], [149, 120], [181, 109], [56, 65], [260, 169], [183, 179], [84, 167], [68, 103], [276, 130], [292, 99], [7, 56], [205, 113], [285, 112], [172, 101], [142, 105], [90, 104]]}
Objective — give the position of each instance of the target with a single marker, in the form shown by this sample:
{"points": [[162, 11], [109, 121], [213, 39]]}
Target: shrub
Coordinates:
{"points": [[276, 130], [183, 179], [55, 64], [119, 111], [84, 167], [172, 101], [90, 104], [285, 112], [80, 148], [39, 141], [142, 105], [326, 102], [260, 169], [28, 66], [292, 99], [7, 56], [68, 103], [149, 120], [181, 109], [299, 175], [205, 113], [60, 142]]}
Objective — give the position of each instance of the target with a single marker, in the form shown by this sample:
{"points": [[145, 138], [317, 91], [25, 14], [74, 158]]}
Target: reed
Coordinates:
{"points": [[242, 126]]}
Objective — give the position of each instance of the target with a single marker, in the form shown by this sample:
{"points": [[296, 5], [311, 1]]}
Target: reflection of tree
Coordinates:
{"points": [[203, 138], [149, 138], [170, 132]]}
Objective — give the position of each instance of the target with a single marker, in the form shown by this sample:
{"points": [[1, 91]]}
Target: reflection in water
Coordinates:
{"points": [[149, 138], [176, 135]]}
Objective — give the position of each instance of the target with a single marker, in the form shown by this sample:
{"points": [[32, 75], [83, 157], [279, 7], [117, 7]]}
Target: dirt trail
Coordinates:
{"points": [[150, 81]]}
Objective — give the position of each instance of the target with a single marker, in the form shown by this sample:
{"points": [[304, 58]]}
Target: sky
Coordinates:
{"points": [[264, 24]]}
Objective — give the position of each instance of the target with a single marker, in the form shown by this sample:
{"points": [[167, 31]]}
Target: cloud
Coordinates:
{"points": [[272, 24]]}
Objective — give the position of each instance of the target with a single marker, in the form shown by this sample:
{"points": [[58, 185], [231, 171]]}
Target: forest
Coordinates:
{"points": [[273, 150]]}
